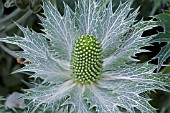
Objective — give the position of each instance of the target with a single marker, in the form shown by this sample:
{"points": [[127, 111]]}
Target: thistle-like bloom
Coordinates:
{"points": [[85, 60]]}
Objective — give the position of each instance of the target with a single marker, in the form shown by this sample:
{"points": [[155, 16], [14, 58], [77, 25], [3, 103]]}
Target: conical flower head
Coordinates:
{"points": [[85, 61]]}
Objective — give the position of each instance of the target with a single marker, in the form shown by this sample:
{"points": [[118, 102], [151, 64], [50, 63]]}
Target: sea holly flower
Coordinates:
{"points": [[84, 58]]}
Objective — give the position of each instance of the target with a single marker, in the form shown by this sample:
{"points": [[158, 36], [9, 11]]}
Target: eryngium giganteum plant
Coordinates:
{"points": [[84, 58]]}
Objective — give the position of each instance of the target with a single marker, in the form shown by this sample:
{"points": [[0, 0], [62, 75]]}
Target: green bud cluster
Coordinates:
{"points": [[87, 60], [22, 4], [35, 5]]}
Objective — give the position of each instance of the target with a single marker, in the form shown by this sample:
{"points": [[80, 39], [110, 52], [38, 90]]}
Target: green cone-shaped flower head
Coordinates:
{"points": [[87, 60]]}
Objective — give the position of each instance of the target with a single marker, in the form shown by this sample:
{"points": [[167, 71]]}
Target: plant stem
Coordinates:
{"points": [[10, 15], [24, 17], [7, 50], [155, 6]]}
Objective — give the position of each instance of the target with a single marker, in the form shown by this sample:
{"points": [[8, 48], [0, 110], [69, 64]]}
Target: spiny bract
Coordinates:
{"points": [[84, 59]]}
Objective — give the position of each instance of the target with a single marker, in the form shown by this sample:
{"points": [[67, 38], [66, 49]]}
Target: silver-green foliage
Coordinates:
{"points": [[164, 54], [1, 98], [123, 82]]}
